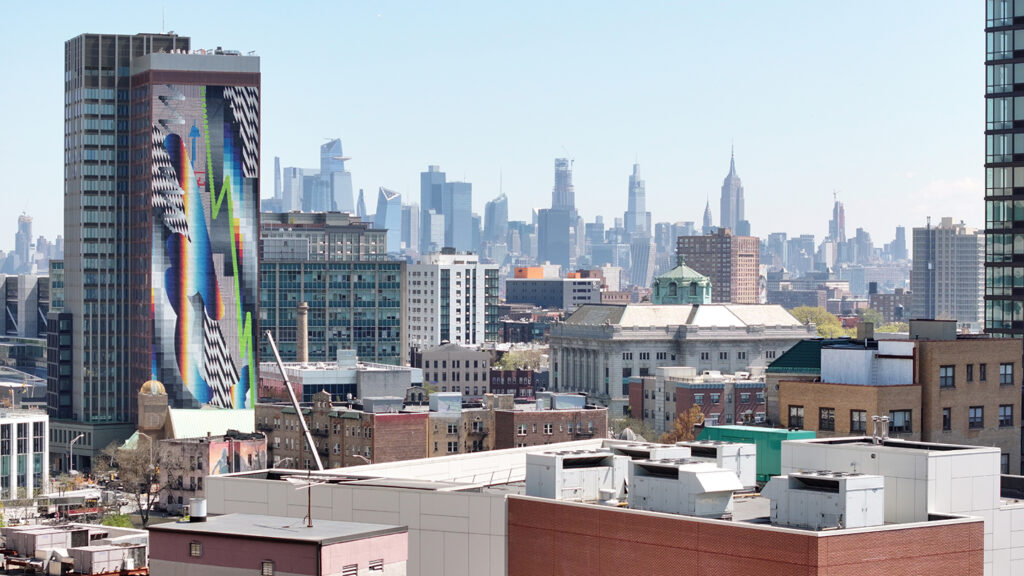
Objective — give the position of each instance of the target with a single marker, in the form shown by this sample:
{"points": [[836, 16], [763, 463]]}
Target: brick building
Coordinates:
{"points": [[520, 428], [893, 307], [935, 387], [186, 462], [517, 383], [722, 398], [344, 436], [731, 262]]}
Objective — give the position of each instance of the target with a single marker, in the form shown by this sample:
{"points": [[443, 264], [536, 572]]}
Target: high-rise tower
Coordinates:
{"points": [[335, 186], [732, 199], [161, 228], [389, 217], [563, 195], [837, 225], [1004, 165], [637, 218]]}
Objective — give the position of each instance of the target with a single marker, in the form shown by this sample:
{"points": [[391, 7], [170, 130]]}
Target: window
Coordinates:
{"points": [[1004, 463], [760, 397], [769, 354], [744, 397], [741, 355], [970, 372], [715, 398], [453, 447], [796, 417], [976, 417], [947, 419], [723, 355], [982, 372], [858, 421], [267, 568], [826, 419], [453, 428], [705, 355], [1005, 415], [698, 399], [899, 422], [195, 549], [548, 429], [1006, 374], [947, 376]]}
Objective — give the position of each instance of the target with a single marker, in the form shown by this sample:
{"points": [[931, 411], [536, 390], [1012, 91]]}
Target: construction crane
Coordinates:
{"points": [[295, 403]]}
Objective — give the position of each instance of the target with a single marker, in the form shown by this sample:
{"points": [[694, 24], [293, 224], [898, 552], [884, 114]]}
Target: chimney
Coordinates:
{"points": [[302, 333]]}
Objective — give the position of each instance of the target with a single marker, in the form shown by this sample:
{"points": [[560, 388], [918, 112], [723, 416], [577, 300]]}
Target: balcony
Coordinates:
{"points": [[325, 432], [265, 427], [481, 431]]}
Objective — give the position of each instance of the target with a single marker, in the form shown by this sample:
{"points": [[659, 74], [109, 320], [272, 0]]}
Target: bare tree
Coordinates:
{"points": [[140, 476]]}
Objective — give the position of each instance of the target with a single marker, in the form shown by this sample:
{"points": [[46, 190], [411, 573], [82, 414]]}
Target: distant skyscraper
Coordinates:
{"points": [[837, 225], [173, 295], [411, 227], [291, 189], [706, 225], [642, 254], [389, 216], [899, 245], [335, 181], [431, 192], [457, 207], [361, 205], [637, 218], [496, 220], [563, 195], [732, 199], [23, 243], [948, 274], [277, 177]]}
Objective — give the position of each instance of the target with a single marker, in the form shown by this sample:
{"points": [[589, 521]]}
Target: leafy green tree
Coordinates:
{"points": [[894, 327], [871, 315], [521, 360], [118, 521], [827, 324]]}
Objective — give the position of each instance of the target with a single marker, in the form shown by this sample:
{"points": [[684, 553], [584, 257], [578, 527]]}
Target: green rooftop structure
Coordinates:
{"points": [[768, 441], [681, 285]]}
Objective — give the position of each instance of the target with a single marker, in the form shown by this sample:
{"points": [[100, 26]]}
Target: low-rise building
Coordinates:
{"points": [[455, 368], [599, 348], [722, 398], [234, 544], [343, 379], [374, 431], [936, 387], [565, 294], [894, 307], [24, 453], [186, 462], [518, 383]]}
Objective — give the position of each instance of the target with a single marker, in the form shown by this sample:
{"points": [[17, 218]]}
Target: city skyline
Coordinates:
{"points": [[552, 89]]}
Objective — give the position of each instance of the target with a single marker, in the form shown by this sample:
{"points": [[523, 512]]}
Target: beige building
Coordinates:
{"points": [[935, 387], [454, 368], [731, 262]]}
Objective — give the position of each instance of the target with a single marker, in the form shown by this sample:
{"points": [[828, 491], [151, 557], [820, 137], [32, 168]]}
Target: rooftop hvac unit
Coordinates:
{"points": [[645, 450], [681, 486], [576, 475], [825, 499], [739, 457]]}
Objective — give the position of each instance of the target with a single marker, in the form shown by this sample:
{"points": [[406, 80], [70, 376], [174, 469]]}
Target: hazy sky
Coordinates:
{"points": [[879, 100]]}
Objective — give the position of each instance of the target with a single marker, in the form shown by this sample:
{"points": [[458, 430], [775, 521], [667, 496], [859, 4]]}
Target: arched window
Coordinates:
{"points": [[673, 289], [693, 288]]}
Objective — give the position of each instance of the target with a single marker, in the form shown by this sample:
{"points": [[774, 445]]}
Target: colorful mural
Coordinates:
{"points": [[237, 456], [205, 201]]}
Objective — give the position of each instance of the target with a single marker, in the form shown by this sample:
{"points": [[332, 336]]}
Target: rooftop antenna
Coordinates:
{"points": [[307, 485]]}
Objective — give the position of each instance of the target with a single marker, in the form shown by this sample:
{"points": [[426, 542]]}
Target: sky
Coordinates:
{"points": [[879, 102]]}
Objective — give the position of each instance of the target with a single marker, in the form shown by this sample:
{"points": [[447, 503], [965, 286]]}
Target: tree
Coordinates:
{"points": [[530, 359], [894, 327], [871, 315], [638, 426], [139, 470], [683, 428], [118, 520], [827, 324]]}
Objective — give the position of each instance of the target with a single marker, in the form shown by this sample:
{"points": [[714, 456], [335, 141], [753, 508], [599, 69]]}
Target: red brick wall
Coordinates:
{"points": [[507, 423], [548, 537], [636, 399], [399, 437]]}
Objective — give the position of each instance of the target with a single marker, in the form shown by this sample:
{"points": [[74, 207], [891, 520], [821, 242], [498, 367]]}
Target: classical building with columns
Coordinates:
{"points": [[600, 347]]}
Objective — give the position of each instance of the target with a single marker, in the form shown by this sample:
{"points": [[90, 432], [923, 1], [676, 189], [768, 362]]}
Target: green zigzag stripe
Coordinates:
{"points": [[244, 329]]}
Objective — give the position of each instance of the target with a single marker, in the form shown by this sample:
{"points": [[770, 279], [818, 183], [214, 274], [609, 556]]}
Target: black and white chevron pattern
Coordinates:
{"points": [[219, 370], [245, 105], [167, 195]]}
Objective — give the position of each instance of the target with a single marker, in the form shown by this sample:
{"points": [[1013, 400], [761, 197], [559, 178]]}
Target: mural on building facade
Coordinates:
{"points": [[205, 201]]}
